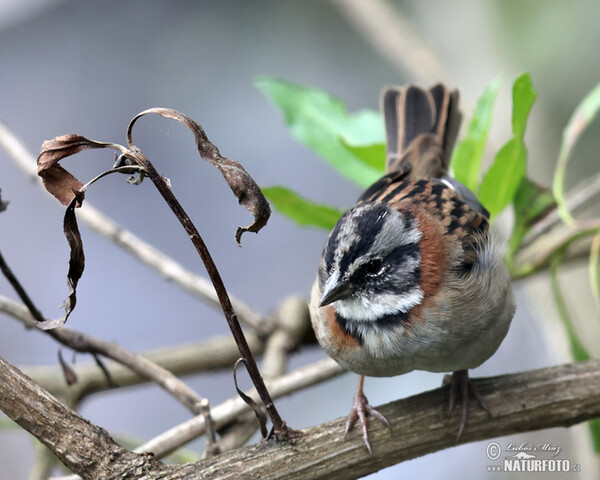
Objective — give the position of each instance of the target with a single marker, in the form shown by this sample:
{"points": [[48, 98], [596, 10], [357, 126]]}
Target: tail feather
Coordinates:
{"points": [[421, 128]]}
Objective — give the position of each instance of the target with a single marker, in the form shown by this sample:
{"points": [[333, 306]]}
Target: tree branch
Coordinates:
{"points": [[211, 354], [281, 430], [292, 324], [82, 342], [85, 448], [550, 397], [584, 195], [557, 396], [225, 413], [538, 255]]}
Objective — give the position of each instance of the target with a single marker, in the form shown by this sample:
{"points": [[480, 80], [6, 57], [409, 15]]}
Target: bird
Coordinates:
{"points": [[412, 277]]}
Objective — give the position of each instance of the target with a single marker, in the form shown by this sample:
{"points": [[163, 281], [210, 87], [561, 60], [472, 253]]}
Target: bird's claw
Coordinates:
{"points": [[360, 410], [460, 381]]}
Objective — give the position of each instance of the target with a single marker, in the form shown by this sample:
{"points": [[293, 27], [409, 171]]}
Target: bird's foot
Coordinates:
{"points": [[360, 410], [460, 381]]}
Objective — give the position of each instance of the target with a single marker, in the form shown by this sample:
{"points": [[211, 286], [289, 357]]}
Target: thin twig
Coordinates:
{"points": [[212, 448], [292, 322], [224, 413], [82, 342], [584, 195], [215, 353], [280, 429], [14, 281], [142, 251], [538, 255], [292, 326]]}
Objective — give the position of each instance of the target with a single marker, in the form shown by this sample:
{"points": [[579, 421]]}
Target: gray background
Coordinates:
{"points": [[89, 66]]}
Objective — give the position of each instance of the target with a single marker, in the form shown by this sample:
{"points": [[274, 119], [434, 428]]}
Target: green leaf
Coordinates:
{"points": [[502, 180], [467, 156], [300, 210], [594, 426], [322, 123], [372, 155], [524, 96], [530, 203], [582, 117]]}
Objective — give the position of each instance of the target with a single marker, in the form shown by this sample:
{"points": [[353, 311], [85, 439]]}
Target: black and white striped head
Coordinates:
{"points": [[371, 264]]}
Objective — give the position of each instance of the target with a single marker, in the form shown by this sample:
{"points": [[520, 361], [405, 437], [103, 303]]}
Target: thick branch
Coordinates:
{"points": [[533, 400], [85, 448], [552, 397]]}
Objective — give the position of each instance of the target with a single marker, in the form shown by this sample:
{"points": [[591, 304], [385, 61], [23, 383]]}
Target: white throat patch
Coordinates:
{"points": [[365, 309]]}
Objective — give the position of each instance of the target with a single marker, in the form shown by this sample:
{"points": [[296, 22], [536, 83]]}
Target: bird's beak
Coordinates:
{"points": [[335, 290]]}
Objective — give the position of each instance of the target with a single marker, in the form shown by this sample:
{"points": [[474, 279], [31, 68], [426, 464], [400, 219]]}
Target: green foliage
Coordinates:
{"points": [[322, 123], [467, 156], [524, 96], [531, 202], [302, 211], [502, 180], [372, 155], [353, 144]]}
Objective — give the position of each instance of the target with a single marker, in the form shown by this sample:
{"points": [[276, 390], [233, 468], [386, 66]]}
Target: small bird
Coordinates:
{"points": [[412, 277]]}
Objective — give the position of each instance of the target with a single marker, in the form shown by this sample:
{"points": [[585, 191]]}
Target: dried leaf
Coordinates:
{"points": [[241, 183], [58, 181], [70, 375], [258, 410], [105, 370], [77, 257]]}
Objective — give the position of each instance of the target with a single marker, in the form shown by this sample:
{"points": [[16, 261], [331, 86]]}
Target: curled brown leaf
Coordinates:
{"points": [[77, 257], [241, 183], [258, 410], [68, 372], [70, 191], [58, 181]]}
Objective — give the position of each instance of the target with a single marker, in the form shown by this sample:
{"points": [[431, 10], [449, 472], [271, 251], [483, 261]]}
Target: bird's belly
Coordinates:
{"points": [[437, 343]]}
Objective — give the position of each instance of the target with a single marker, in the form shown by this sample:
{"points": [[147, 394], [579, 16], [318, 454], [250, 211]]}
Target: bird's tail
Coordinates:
{"points": [[421, 127]]}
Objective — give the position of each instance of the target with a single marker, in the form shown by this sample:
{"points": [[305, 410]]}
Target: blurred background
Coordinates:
{"points": [[88, 66]]}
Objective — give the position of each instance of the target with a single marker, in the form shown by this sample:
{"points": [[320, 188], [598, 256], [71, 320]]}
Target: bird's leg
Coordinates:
{"points": [[460, 382], [360, 410]]}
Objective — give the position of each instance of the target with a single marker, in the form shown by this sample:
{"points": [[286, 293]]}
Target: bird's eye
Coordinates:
{"points": [[374, 266]]}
